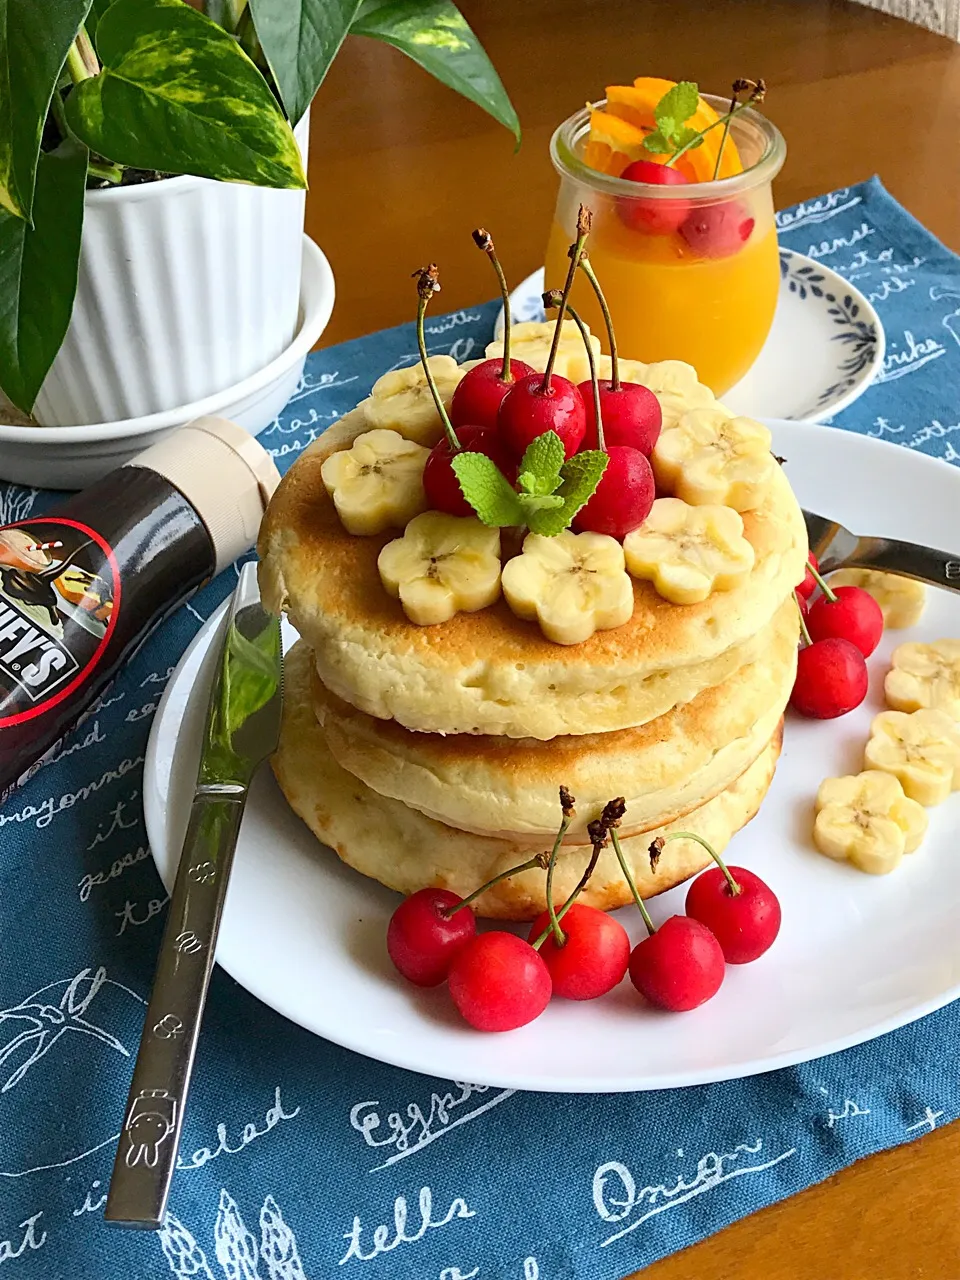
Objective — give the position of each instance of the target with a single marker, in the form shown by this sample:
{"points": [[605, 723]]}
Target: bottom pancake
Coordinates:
{"points": [[405, 850]]}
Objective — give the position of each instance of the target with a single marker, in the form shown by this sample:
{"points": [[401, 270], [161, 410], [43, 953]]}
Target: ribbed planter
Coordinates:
{"points": [[186, 287]]}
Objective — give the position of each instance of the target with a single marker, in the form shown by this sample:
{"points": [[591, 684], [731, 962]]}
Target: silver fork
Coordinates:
{"points": [[837, 548]]}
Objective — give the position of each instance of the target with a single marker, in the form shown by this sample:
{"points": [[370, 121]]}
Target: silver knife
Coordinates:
{"points": [[837, 548], [242, 730]]}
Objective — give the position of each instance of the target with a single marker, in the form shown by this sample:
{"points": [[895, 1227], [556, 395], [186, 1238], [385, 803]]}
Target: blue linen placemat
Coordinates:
{"points": [[301, 1161]]}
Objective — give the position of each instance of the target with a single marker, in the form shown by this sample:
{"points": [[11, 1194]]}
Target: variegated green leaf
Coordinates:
{"points": [[97, 9], [300, 39], [38, 273], [34, 39], [435, 34], [177, 94]]}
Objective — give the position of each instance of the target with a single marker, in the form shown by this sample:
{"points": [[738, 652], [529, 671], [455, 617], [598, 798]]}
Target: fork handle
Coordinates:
{"points": [[147, 1151], [909, 559]]}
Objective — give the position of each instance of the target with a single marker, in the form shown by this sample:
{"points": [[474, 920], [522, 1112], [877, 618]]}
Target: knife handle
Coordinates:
{"points": [[150, 1137]]}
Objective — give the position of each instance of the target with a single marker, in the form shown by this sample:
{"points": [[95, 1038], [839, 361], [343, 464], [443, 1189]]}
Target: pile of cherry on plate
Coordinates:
{"points": [[499, 981]]}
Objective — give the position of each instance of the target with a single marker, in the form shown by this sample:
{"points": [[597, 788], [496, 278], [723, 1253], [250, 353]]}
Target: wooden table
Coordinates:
{"points": [[401, 170]]}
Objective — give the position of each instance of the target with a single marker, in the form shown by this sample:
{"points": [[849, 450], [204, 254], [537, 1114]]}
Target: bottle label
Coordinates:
{"points": [[59, 602]]}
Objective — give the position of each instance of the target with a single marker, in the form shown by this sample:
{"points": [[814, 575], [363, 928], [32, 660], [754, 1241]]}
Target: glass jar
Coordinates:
{"points": [[691, 272]]}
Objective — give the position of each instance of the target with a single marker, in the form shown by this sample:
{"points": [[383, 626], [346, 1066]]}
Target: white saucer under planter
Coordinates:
{"points": [[73, 457]]}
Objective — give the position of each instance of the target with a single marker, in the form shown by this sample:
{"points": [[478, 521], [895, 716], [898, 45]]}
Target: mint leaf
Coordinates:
{"points": [[544, 502], [658, 143], [540, 468], [580, 476], [685, 136], [487, 490], [676, 106]]}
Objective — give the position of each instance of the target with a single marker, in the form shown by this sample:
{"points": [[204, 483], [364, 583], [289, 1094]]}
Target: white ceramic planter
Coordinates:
{"points": [[186, 287]]}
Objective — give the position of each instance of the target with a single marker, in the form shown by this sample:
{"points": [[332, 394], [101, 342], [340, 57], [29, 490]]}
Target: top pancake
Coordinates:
{"points": [[490, 672]]}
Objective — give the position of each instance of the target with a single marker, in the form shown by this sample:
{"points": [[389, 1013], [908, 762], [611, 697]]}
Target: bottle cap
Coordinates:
{"points": [[224, 473]]}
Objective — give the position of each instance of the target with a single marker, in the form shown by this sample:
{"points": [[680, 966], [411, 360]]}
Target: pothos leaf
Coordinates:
{"points": [[179, 95]]}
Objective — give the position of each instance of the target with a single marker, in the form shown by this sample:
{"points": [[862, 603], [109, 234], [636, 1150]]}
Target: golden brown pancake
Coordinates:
{"points": [[489, 672], [405, 850]]}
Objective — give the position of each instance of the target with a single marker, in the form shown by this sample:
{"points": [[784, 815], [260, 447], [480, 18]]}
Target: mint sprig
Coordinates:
{"points": [[671, 114], [551, 490]]}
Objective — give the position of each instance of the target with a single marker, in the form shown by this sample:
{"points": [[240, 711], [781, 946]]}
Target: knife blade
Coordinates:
{"points": [[241, 730]]}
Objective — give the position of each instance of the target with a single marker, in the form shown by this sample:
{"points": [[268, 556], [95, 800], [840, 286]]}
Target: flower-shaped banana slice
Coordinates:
{"points": [[921, 749], [867, 820], [673, 382], [573, 585], [925, 675], [711, 457], [901, 600], [401, 400], [530, 341], [376, 484], [688, 552], [441, 566]]}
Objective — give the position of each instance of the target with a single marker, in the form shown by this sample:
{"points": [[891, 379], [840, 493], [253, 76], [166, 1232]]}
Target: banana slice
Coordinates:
{"points": [[530, 341], [901, 600], [441, 566], [401, 400], [712, 457], [573, 585], [920, 749], [673, 382], [867, 820], [376, 484], [925, 675], [688, 552]]}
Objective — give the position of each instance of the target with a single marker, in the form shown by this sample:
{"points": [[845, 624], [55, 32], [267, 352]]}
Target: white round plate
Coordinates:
{"points": [[819, 315], [73, 457], [857, 955]]}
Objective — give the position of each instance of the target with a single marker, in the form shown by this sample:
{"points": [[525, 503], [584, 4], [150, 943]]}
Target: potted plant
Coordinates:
{"points": [[152, 186]]}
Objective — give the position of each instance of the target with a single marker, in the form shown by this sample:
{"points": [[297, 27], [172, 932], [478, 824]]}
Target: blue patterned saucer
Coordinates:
{"points": [[825, 348]]}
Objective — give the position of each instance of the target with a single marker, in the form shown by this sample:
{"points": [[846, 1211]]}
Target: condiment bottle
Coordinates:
{"points": [[82, 586]]}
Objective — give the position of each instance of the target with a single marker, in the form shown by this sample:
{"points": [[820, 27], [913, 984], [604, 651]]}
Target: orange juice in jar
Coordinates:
{"points": [[690, 272]]}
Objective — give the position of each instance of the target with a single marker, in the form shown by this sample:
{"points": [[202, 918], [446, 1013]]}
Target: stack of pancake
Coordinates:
{"points": [[434, 755]]}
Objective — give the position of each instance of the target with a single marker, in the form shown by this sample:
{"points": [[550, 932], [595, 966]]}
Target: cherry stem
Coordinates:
{"points": [[692, 835], [484, 240], [822, 584], [734, 99], [581, 885], [804, 629], [536, 861], [552, 299], [584, 218], [427, 285], [559, 935], [628, 876], [586, 266], [722, 121]]}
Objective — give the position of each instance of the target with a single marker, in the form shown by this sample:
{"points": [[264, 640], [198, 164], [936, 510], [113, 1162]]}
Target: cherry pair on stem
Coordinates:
{"points": [[840, 629], [499, 981]]}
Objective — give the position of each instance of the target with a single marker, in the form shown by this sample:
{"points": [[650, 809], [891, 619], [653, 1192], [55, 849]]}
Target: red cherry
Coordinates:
{"points": [[831, 679], [655, 217], [718, 230], [527, 411], [623, 497], [745, 923], [809, 584], [631, 415], [477, 397], [422, 939], [440, 482], [680, 966], [854, 616], [594, 957], [498, 982]]}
